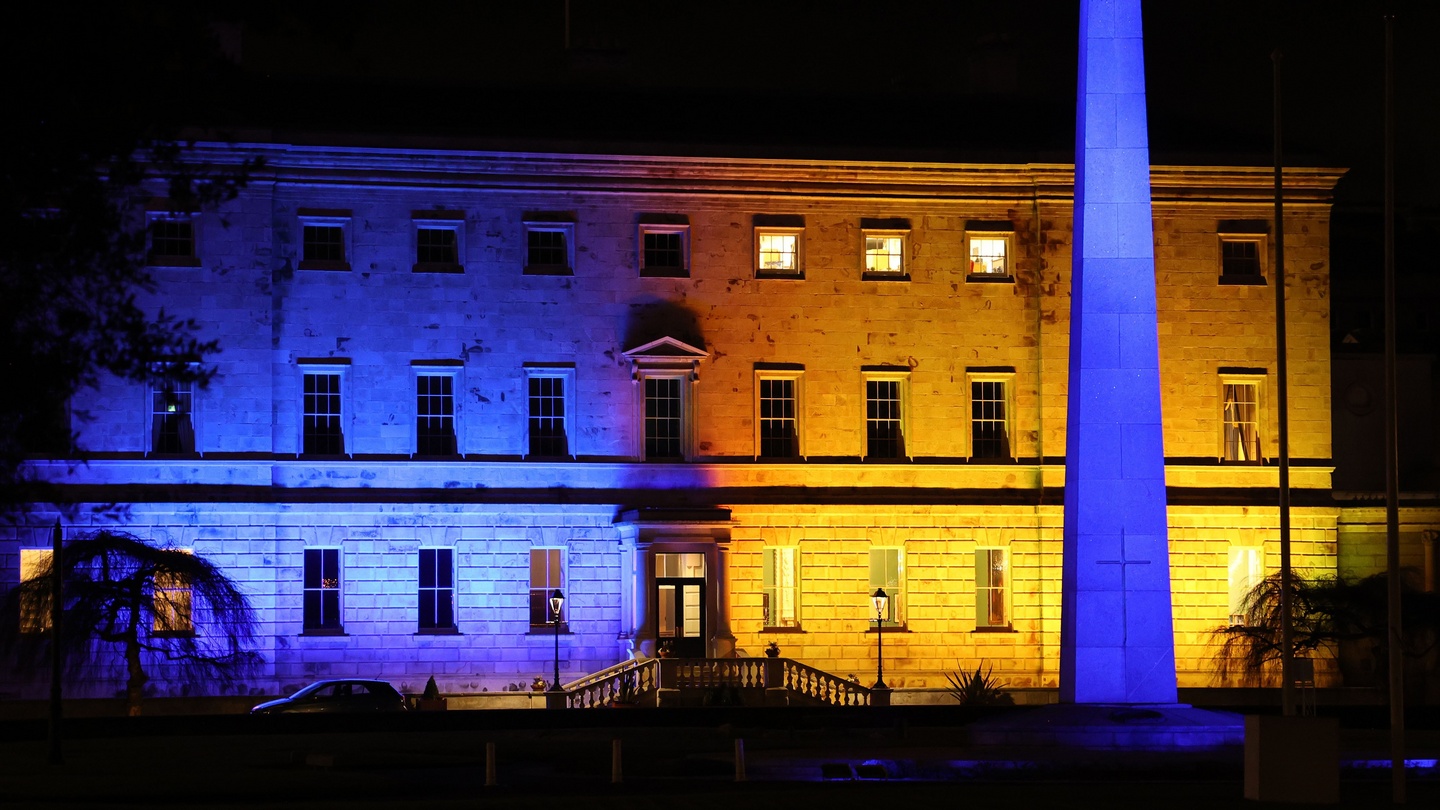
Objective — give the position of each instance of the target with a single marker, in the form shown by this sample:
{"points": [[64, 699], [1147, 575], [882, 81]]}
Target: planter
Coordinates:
{"points": [[424, 704]]}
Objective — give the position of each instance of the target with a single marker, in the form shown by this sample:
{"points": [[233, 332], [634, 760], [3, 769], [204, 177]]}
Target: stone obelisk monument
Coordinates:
{"points": [[1117, 643]]}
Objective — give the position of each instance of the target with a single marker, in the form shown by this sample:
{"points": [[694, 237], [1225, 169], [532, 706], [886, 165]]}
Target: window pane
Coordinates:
{"points": [[324, 243], [548, 435], [1239, 258], [663, 417], [882, 419], [435, 414], [171, 428], [435, 245], [1242, 422], [778, 428], [884, 254], [989, 429], [664, 251], [321, 424], [987, 255], [546, 248], [778, 252]]}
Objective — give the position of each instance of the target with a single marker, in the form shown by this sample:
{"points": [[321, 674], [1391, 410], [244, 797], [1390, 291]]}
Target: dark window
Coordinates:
{"points": [[435, 246], [324, 243], [546, 249], [664, 251], [437, 589], [322, 589], [171, 239], [777, 419], [663, 418], [989, 437], [1239, 257], [171, 428], [323, 435], [883, 433], [547, 417], [435, 415]]}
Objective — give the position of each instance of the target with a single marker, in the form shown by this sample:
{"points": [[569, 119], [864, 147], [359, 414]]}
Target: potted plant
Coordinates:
{"points": [[430, 700], [772, 650], [665, 650], [537, 685]]}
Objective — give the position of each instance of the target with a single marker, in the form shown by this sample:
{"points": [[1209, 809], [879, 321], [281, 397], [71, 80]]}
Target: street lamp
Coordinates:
{"points": [[557, 599], [881, 602]]}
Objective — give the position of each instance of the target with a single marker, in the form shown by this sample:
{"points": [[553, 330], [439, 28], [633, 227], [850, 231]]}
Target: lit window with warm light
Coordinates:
{"points": [[992, 587]]}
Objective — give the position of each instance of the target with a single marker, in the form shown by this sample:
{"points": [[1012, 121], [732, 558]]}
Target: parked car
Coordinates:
{"points": [[337, 696]]}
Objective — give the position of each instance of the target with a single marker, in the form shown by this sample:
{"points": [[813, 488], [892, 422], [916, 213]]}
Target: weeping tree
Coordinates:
{"points": [[129, 606], [1327, 612]]}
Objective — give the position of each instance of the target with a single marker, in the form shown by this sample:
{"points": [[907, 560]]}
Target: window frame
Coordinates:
{"points": [[325, 219], [452, 371], [796, 231], [684, 379], [773, 590], [566, 374], [157, 218], [541, 594], [902, 378], [437, 628], [648, 228], [989, 231], [1252, 561], [796, 376], [321, 628], [985, 593], [152, 391], [1005, 377], [433, 221], [565, 229], [342, 371], [33, 620], [870, 274], [1262, 249], [894, 589], [1257, 381], [181, 609]]}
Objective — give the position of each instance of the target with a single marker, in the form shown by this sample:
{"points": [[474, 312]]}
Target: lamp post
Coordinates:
{"points": [[557, 600], [881, 601]]}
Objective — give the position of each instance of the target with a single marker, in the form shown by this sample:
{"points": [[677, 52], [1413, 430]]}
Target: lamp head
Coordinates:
{"points": [[557, 599], [881, 601]]}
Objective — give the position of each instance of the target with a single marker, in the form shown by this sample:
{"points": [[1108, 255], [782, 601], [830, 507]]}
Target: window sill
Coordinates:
{"points": [[438, 631], [317, 264], [898, 628], [548, 270], [324, 457], [783, 631], [437, 267], [172, 261], [989, 278], [772, 274], [548, 630], [885, 277], [664, 272], [172, 456], [1237, 280], [1006, 629], [1225, 462], [322, 632]]}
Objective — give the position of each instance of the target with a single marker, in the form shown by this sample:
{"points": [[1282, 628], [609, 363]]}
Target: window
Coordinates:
{"points": [[664, 250], [322, 589], [990, 414], [324, 240], [437, 242], [780, 595], [778, 252], [885, 415], [34, 609], [887, 571], [172, 428], [989, 254], [1246, 569], [434, 414], [549, 248], [885, 247], [992, 587], [550, 401], [664, 371], [1239, 258], [664, 417], [547, 574], [437, 589], [172, 242], [173, 604], [321, 427], [1240, 416], [777, 419]]}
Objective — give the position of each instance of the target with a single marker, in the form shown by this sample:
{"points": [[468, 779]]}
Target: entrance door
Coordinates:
{"points": [[680, 615]]}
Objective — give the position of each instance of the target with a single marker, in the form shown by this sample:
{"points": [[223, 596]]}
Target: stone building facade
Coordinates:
{"points": [[717, 402]]}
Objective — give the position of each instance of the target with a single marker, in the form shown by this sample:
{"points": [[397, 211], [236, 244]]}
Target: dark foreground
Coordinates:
{"points": [[686, 758]]}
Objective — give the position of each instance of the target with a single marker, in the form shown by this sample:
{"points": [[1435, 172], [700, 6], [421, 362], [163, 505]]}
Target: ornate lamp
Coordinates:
{"points": [[881, 603], [557, 600]]}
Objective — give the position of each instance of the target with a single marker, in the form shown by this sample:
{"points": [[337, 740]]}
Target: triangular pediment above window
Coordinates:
{"points": [[665, 352]]}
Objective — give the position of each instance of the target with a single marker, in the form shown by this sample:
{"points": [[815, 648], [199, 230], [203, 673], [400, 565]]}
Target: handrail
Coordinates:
{"points": [[625, 682], [823, 686]]}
